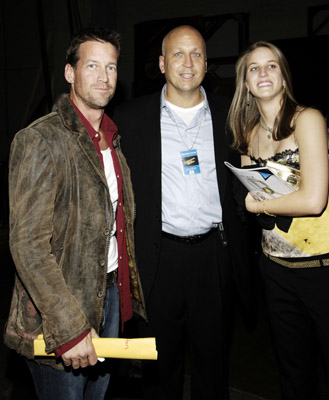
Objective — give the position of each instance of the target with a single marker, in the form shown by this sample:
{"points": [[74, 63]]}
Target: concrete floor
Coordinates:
{"points": [[253, 369]]}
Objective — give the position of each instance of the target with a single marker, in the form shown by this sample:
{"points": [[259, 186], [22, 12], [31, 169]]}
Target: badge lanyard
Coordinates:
{"points": [[189, 157]]}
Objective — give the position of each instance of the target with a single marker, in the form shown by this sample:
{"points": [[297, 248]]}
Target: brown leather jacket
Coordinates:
{"points": [[60, 216]]}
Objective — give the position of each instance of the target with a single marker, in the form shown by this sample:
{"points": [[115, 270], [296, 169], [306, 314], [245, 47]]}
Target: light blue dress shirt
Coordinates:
{"points": [[190, 203]]}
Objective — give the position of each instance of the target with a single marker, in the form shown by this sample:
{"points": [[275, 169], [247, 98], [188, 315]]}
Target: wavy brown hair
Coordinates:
{"points": [[242, 118], [91, 34]]}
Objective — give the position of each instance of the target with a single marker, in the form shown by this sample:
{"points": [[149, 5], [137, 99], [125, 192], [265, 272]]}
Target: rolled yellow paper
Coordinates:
{"points": [[138, 349]]}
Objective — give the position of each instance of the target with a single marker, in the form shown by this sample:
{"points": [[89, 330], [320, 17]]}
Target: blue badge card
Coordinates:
{"points": [[190, 162]]}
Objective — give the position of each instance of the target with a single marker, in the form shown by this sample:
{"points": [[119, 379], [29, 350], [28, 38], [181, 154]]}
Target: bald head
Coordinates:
{"points": [[178, 32], [184, 64]]}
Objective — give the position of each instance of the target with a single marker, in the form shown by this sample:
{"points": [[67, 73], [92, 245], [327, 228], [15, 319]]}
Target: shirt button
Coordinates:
{"points": [[118, 176], [155, 245], [106, 232], [119, 204], [120, 257], [120, 230], [102, 263], [100, 293]]}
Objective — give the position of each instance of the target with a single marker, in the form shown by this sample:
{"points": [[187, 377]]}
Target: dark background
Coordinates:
{"points": [[34, 35]]}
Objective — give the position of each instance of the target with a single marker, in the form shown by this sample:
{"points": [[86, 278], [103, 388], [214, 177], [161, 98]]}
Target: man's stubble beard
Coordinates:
{"points": [[97, 103]]}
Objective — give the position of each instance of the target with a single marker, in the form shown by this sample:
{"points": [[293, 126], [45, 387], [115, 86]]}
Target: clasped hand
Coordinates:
{"points": [[83, 354]]}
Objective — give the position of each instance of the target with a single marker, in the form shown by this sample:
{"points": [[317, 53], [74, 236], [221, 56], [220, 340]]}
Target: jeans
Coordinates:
{"points": [[84, 383]]}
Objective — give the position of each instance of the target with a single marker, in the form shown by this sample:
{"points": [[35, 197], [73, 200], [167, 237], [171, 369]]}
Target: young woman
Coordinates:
{"points": [[269, 125]]}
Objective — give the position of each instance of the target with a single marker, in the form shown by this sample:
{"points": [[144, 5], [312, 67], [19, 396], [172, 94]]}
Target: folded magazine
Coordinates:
{"points": [[273, 180]]}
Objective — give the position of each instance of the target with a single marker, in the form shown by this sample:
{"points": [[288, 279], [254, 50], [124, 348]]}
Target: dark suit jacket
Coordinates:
{"points": [[139, 126]]}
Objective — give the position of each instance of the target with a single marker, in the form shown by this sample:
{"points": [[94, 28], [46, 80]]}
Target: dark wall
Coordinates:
{"points": [[34, 35]]}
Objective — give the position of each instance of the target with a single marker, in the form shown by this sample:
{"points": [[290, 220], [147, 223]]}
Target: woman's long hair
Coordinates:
{"points": [[243, 117]]}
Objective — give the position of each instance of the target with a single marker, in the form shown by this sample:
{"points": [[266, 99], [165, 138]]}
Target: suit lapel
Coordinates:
{"points": [[151, 134], [218, 114]]}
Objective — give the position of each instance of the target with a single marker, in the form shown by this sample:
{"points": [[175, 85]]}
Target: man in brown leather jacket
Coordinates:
{"points": [[71, 228]]}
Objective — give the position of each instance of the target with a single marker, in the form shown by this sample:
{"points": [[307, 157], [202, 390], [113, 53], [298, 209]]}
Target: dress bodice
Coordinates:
{"points": [[287, 157], [305, 236]]}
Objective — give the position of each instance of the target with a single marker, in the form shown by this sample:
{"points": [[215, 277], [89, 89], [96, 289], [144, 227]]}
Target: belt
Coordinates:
{"points": [[320, 262], [189, 239], [110, 278]]}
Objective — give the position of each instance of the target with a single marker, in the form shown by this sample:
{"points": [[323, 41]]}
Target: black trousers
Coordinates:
{"points": [[190, 307], [298, 305]]}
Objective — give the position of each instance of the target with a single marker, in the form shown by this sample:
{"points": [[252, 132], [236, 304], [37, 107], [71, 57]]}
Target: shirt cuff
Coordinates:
{"points": [[67, 346]]}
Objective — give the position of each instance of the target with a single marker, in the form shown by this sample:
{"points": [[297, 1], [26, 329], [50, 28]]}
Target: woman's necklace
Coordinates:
{"points": [[266, 128]]}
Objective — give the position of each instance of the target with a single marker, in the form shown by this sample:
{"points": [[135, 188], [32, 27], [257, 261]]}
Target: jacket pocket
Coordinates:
{"points": [[28, 317]]}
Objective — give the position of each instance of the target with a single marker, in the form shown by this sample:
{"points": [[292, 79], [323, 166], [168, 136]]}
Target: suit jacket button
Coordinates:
{"points": [[155, 245]]}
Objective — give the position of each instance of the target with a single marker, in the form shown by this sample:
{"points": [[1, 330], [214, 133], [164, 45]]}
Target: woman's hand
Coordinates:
{"points": [[251, 204]]}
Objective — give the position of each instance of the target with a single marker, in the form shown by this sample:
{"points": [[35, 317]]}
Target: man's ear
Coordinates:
{"points": [[69, 73], [161, 64]]}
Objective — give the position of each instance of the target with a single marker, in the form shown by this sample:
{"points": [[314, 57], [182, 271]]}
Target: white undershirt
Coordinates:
{"points": [[113, 187], [186, 114]]}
